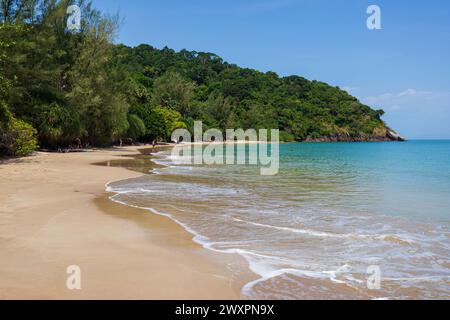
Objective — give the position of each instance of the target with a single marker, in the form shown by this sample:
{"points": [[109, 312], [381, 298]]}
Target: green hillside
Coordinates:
{"points": [[224, 95]]}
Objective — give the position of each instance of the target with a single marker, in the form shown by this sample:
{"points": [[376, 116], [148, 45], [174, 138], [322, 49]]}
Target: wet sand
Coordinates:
{"points": [[54, 212]]}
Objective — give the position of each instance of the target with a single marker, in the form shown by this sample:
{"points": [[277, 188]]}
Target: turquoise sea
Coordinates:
{"points": [[334, 212]]}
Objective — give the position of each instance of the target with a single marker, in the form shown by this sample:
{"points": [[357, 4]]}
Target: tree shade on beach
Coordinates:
{"points": [[61, 86]]}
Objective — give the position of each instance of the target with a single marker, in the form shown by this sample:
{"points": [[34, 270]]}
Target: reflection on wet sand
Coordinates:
{"points": [[140, 163]]}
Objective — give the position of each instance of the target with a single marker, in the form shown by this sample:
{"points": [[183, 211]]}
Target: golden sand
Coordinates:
{"points": [[54, 212]]}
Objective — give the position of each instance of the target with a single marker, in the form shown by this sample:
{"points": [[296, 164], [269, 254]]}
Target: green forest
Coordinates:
{"points": [[58, 86]]}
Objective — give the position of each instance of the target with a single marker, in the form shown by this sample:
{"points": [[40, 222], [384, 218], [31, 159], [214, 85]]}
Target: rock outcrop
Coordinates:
{"points": [[390, 135], [394, 136]]}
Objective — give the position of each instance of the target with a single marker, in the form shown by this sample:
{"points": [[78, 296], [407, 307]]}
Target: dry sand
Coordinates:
{"points": [[54, 212]]}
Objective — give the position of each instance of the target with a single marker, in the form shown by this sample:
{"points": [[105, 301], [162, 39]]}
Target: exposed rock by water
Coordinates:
{"points": [[389, 136]]}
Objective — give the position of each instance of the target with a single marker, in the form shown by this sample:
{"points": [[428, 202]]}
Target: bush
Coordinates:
{"points": [[165, 122], [24, 136], [17, 138], [159, 121], [286, 137]]}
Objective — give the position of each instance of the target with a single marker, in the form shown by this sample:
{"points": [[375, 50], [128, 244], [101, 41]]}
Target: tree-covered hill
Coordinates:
{"points": [[59, 88], [224, 95]]}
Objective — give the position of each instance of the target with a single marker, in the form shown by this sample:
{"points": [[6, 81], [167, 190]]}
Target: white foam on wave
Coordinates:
{"points": [[261, 266], [330, 275], [420, 279], [266, 266], [197, 237], [315, 233], [261, 269]]}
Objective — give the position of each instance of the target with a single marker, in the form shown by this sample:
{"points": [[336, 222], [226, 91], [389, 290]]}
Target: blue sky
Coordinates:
{"points": [[403, 68]]}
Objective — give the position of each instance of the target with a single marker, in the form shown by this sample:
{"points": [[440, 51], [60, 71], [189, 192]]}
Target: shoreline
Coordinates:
{"points": [[55, 212]]}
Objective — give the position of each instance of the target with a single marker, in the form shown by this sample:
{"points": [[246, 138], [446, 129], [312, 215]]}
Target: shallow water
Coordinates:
{"points": [[313, 230]]}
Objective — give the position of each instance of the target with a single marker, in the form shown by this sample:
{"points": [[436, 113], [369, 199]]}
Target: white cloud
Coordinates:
{"points": [[409, 98], [415, 113], [413, 92]]}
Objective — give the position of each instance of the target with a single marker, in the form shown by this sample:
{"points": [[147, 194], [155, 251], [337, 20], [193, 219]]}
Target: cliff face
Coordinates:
{"points": [[394, 136]]}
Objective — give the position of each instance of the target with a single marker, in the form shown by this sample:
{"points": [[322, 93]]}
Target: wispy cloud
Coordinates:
{"points": [[404, 99], [415, 113], [414, 93]]}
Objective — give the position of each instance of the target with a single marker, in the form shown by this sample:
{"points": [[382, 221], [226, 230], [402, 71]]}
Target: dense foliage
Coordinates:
{"points": [[61, 82], [201, 86], [62, 86]]}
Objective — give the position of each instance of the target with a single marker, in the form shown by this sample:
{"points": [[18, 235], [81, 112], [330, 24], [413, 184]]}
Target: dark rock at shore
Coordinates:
{"points": [[394, 136], [390, 136]]}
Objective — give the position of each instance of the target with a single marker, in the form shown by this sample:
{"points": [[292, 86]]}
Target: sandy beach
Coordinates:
{"points": [[54, 212]]}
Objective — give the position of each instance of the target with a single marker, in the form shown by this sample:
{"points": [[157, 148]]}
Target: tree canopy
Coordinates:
{"points": [[201, 86]]}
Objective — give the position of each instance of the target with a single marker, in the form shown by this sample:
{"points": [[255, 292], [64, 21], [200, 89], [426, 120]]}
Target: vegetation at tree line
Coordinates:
{"points": [[58, 86]]}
